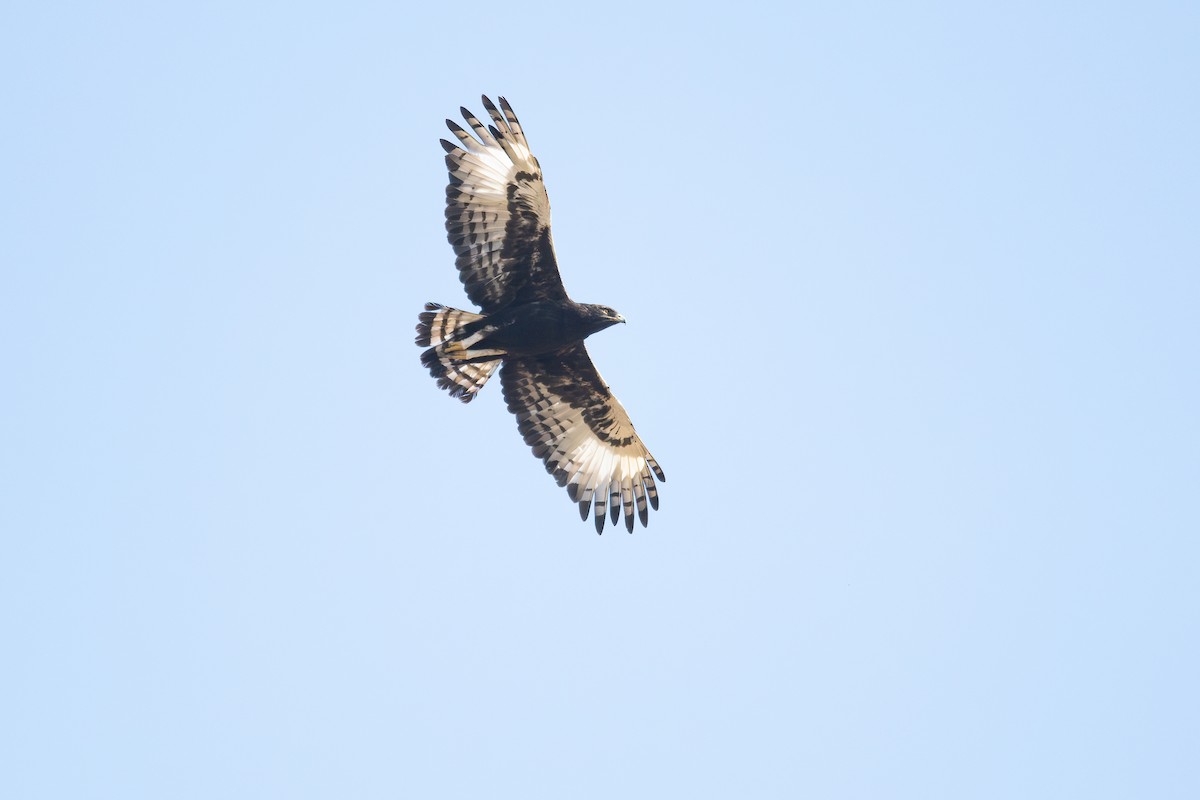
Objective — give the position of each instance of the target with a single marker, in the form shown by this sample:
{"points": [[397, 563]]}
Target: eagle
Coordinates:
{"points": [[498, 222]]}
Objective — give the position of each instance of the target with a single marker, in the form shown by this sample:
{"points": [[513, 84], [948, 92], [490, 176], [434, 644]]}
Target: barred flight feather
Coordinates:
{"points": [[498, 213], [572, 422]]}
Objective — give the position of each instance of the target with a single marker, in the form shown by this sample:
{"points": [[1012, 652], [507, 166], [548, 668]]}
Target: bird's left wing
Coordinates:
{"points": [[498, 213], [581, 432]]}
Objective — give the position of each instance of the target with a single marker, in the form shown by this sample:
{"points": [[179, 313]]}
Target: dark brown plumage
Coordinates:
{"points": [[498, 222]]}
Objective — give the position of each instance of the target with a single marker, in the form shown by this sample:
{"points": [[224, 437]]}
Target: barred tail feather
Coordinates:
{"points": [[461, 378], [438, 324], [458, 368]]}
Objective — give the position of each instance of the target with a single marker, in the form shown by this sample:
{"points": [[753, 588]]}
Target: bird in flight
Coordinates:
{"points": [[498, 222]]}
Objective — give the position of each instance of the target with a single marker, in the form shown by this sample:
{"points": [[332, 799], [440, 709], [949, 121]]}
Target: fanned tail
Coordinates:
{"points": [[449, 333]]}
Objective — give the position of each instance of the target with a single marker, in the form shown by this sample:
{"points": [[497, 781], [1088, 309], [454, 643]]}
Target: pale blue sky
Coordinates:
{"points": [[912, 294]]}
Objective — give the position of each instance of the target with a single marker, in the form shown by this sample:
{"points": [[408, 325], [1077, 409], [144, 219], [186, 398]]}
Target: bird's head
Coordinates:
{"points": [[602, 317]]}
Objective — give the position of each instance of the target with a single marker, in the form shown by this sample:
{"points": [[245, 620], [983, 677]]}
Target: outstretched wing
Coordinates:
{"points": [[569, 417], [498, 214]]}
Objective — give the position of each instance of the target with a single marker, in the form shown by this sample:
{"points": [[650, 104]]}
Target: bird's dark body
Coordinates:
{"points": [[542, 327], [527, 328]]}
